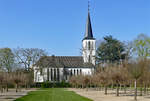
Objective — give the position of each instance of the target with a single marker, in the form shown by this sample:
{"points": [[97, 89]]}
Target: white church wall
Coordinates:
{"points": [[85, 71], [89, 52], [38, 77], [61, 73], [44, 73]]}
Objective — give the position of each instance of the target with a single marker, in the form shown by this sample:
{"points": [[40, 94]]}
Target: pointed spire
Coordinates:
{"points": [[88, 33]]}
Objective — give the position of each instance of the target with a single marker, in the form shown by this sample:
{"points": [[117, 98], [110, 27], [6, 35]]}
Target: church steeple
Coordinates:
{"points": [[88, 33], [88, 43]]}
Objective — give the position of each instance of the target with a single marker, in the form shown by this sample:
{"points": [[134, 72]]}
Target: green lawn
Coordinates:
{"points": [[52, 94]]}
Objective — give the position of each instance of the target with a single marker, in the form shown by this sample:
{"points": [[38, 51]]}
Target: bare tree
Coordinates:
{"points": [[136, 71], [18, 79], [117, 77], [86, 81], [28, 56], [73, 81]]}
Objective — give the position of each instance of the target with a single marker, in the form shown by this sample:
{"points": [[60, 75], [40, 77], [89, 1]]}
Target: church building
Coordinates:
{"points": [[61, 68]]}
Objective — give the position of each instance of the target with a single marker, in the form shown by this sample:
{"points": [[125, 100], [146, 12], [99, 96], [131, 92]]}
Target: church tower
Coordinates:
{"points": [[89, 43]]}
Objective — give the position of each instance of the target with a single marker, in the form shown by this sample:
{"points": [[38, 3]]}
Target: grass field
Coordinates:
{"points": [[52, 94]]}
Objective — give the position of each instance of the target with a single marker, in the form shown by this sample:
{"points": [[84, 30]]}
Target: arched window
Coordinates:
{"points": [[89, 45], [51, 74], [54, 74]]}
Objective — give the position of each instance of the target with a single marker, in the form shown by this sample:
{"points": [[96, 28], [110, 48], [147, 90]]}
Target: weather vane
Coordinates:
{"points": [[88, 5]]}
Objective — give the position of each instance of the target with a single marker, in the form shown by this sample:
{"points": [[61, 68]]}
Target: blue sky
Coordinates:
{"points": [[59, 25]]}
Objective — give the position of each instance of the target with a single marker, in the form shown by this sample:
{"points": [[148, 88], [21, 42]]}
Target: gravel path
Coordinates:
{"points": [[99, 95]]}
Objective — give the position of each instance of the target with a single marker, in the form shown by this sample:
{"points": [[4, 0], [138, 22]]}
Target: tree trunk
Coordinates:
{"points": [[1, 88], [7, 87], [125, 91], [16, 87], [105, 90], [117, 91], [112, 86], [130, 88], [135, 93]]}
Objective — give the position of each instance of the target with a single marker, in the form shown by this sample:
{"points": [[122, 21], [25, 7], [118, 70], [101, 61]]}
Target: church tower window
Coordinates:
{"points": [[89, 58], [89, 45]]}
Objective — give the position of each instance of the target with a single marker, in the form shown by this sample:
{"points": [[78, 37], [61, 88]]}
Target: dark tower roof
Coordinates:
{"points": [[88, 33]]}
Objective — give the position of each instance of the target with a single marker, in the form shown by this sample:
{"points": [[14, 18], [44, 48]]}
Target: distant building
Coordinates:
{"points": [[58, 68]]}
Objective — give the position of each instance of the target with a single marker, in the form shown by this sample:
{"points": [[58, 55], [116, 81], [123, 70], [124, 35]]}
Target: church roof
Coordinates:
{"points": [[88, 33], [63, 62]]}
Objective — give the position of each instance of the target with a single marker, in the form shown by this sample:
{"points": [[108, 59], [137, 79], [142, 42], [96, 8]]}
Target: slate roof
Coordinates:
{"points": [[63, 62], [88, 33]]}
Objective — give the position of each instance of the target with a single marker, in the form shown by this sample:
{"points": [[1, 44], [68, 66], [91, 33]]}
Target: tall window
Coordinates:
{"points": [[80, 72], [71, 72], [54, 74], [74, 72], [89, 58], [47, 74], [77, 72], [51, 74], [89, 45], [92, 45], [58, 74]]}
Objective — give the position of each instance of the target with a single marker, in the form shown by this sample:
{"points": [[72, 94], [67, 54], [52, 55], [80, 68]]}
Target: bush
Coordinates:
{"points": [[48, 84]]}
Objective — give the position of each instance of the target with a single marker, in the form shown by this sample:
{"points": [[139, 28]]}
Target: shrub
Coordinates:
{"points": [[48, 84]]}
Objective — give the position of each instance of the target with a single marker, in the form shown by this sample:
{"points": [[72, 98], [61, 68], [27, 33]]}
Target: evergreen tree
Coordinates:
{"points": [[111, 50]]}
